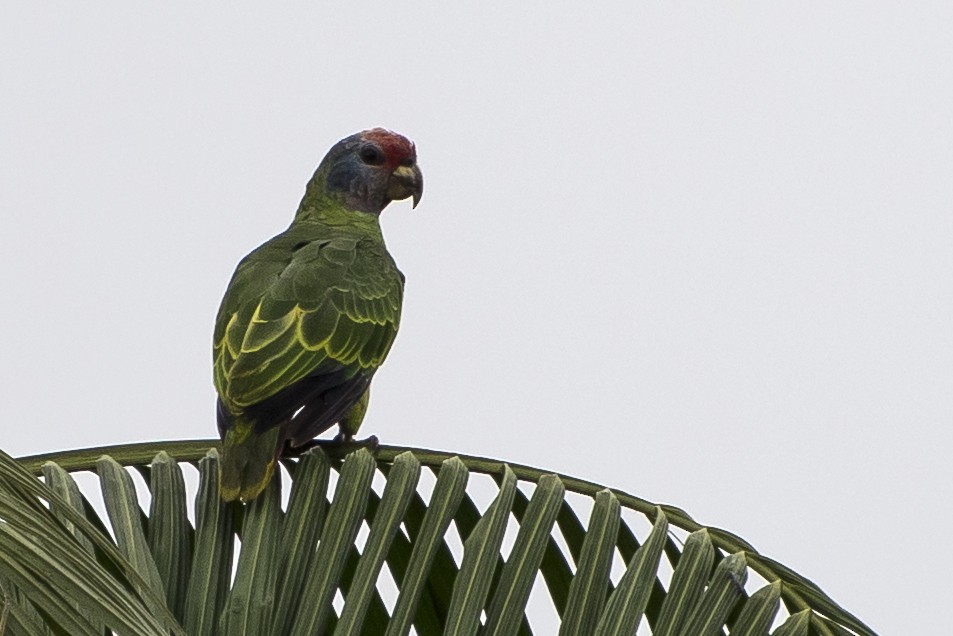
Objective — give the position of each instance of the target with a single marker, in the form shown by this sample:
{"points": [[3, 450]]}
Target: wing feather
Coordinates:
{"points": [[316, 327], [307, 311], [261, 331]]}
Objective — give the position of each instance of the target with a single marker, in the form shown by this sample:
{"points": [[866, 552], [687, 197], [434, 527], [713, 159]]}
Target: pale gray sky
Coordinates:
{"points": [[701, 253]]}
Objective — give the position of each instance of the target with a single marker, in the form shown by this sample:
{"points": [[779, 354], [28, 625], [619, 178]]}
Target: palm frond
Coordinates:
{"points": [[328, 562]]}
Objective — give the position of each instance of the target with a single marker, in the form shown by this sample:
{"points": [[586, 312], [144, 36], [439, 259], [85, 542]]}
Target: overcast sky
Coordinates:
{"points": [[700, 253]]}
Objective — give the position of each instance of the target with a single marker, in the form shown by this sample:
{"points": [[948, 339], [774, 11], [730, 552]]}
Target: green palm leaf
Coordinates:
{"points": [[69, 566]]}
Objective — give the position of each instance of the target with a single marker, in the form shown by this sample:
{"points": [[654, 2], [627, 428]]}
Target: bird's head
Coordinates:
{"points": [[368, 170]]}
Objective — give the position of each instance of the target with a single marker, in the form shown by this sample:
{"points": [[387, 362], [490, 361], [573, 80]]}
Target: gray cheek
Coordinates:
{"points": [[340, 179], [362, 189]]}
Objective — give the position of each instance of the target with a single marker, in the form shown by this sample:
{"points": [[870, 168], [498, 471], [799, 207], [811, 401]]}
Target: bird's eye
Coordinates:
{"points": [[371, 155], [407, 162]]}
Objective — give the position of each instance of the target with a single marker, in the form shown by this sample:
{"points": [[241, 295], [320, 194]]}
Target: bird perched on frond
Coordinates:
{"points": [[310, 315]]}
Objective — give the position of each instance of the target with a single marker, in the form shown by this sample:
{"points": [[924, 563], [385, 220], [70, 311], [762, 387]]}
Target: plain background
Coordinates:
{"points": [[699, 253]]}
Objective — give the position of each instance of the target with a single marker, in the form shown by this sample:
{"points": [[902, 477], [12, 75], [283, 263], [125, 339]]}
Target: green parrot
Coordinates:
{"points": [[310, 315]]}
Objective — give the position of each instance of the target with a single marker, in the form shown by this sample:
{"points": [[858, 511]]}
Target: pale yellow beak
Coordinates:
{"points": [[406, 181]]}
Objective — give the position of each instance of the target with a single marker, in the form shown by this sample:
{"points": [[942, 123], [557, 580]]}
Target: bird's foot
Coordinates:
{"points": [[342, 439], [370, 442]]}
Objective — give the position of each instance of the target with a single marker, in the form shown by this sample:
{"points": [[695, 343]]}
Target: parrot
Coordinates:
{"points": [[309, 316]]}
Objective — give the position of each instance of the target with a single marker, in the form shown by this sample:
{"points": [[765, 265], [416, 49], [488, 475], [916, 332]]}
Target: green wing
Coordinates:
{"points": [[299, 305]]}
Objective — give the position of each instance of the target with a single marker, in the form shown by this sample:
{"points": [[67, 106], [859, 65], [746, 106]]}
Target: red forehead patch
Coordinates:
{"points": [[396, 147]]}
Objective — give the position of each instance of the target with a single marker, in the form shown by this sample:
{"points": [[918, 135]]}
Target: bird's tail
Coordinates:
{"points": [[248, 460]]}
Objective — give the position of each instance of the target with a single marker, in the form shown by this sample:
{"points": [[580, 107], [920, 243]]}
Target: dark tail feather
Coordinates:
{"points": [[248, 461]]}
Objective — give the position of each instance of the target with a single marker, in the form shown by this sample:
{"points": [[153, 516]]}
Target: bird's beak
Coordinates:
{"points": [[406, 181]]}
